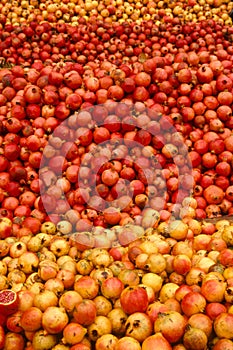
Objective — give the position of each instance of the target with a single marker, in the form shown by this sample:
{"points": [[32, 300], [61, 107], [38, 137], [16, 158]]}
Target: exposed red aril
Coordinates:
{"points": [[8, 301], [81, 100]]}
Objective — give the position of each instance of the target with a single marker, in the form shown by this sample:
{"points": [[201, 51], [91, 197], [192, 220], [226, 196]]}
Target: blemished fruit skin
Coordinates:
{"points": [[116, 157]]}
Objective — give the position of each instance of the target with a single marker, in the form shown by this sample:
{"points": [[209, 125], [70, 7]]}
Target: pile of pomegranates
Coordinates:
{"points": [[115, 174], [169, 288], [69, 11], [111, 120]]}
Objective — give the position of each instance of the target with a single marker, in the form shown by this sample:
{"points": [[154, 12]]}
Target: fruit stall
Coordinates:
{"points": [[116, 175]]}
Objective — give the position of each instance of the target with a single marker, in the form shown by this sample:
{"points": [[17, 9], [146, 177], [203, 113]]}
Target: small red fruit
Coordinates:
{"points": [[134, 299]]}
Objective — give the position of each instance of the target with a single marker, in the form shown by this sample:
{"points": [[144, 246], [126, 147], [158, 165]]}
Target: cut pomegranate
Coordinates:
{"points": [[8, 302]]}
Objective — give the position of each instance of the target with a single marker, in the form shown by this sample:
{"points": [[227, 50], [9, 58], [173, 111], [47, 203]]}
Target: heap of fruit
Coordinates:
{"points": [[115, 146], [135, 120], [21, 11], [171, 288]]}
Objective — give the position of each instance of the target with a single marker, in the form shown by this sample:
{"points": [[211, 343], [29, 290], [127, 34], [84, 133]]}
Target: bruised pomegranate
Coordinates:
{"points": [[106, 342], [138, 326], [195, 338], [73, 333], [42, 340]]}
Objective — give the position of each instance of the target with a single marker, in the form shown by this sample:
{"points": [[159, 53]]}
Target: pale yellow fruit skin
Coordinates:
{"points": [[223, 325]]}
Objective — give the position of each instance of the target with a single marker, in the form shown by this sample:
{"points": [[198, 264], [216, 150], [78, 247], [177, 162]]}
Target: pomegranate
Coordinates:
{"points": [[156, 341], [54, 319], [166, 323], [8, 301], [193, 302], [99, 327], [195, 338], [222, 325], [129, 343], [84, 312], [138, 326], [41, 340], [73, 333]]}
